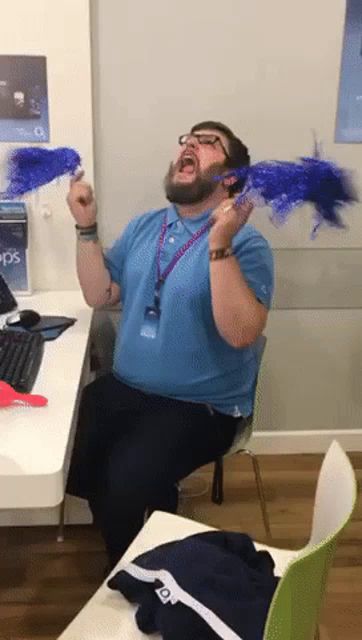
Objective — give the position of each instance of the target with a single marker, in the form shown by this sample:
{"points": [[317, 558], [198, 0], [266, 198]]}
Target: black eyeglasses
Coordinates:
{"points": [[202, 138]]}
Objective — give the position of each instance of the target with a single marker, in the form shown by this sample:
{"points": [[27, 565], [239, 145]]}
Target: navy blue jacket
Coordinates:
{"points": [[205, 587]]}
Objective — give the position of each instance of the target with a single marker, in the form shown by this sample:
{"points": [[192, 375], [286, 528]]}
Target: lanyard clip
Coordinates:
{"points": [[156, 300], [159, 284]]}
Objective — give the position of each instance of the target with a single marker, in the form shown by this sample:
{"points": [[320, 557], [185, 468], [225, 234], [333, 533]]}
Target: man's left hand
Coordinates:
{"points": [[227, 219]]}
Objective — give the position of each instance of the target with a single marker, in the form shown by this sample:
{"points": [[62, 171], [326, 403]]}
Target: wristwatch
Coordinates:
{"points": [[219, 254]]}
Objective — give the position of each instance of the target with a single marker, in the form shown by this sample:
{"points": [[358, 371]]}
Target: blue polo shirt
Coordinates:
{"points": [[188, 359]]}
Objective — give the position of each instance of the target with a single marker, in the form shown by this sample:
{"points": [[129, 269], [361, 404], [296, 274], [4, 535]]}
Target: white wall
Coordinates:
{"points": [[61, 32], [270, 70]]}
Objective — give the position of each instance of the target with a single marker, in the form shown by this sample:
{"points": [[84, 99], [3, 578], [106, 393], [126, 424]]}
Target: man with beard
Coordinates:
{"points": [[196, 283]]}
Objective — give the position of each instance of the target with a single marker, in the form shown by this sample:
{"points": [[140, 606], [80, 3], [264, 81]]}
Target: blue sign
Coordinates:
{"points": [[349, 116], [24, 111], [14, 245]]}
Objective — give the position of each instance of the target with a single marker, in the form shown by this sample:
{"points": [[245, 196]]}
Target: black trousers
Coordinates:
{"points": [[130, 451]]}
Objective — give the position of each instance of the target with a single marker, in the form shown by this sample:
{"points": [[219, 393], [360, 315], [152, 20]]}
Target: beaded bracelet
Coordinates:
{"points": [[87, 234]]}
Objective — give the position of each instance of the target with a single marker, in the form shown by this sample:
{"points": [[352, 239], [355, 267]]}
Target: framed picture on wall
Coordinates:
{"points": [[24, 110], [349, 115]]}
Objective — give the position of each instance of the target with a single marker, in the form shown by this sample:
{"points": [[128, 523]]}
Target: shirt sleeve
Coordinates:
{"points": [[115, 256], [257, 266]]}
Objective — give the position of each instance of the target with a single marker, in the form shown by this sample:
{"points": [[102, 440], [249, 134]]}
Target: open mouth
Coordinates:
{"points": [[188, 163]]}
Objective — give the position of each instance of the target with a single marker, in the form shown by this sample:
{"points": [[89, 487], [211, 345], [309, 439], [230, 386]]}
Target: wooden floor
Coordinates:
{"points": [[43, 584]]}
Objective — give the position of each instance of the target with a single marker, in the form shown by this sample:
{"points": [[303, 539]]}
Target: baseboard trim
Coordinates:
{"points": [[294, 442]]}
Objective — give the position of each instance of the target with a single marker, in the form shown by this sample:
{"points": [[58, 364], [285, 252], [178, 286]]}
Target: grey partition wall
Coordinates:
{"points": [[318, 279]]}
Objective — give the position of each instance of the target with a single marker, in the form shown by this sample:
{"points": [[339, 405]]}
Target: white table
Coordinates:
{"points": [[108, 615], [35, 442]]}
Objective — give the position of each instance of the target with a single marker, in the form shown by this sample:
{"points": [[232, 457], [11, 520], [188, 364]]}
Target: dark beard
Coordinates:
{"points": [[202, 187]]}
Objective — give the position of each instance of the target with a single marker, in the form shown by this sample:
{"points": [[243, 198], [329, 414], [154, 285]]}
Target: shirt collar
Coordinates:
{"points": [[192, 224], [172, 215]]}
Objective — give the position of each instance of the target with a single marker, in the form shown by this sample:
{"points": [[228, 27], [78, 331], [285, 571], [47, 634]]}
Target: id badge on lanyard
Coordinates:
{"points": [[151, 320]]}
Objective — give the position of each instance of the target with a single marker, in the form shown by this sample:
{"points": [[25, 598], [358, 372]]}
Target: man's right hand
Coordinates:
{"points": [[81, 201]]}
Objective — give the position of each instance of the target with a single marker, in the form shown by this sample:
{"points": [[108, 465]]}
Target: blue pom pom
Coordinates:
{"points": [[32, 167], [286, 185]]}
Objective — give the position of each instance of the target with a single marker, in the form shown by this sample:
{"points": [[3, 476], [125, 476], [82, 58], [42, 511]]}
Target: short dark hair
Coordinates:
{"points": [[238, 152]]}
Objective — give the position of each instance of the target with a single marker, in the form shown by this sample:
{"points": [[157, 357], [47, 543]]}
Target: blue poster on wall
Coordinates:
{"points": [[349, 116], [24, 110]]}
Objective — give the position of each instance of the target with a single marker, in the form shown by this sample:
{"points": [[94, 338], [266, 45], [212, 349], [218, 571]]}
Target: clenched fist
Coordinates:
{"points": [[81, 201], [226, 221]]}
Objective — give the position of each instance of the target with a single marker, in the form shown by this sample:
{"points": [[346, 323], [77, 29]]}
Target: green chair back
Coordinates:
{"points": [[295, 608]]}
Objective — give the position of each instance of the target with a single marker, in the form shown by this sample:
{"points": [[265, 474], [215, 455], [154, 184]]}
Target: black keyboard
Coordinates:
{"points": [[21, 353]]}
